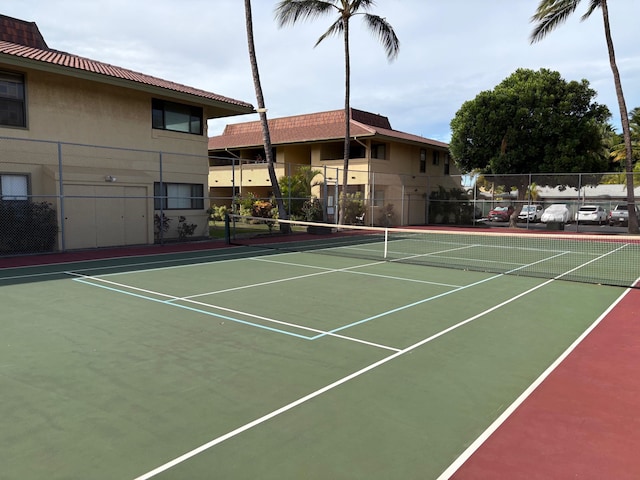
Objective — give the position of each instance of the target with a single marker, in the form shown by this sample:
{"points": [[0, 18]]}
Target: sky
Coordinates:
{"points": [[450, 51]]}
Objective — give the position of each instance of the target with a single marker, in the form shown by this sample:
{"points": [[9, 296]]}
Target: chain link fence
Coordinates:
{"points": [[57, 196], [385, 199]]}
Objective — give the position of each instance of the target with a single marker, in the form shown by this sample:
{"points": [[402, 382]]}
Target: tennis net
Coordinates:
{"points": [[599, 259]]}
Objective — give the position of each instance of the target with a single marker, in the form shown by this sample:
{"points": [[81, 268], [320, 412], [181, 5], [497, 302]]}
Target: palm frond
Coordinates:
{"points": [[595, 4], [336, 28], [289, 12], [385, 33], [359, 5], [549, 15]]}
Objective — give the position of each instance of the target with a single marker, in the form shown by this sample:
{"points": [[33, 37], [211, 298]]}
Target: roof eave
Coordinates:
{"points": [[426, 141], [218, 108]]}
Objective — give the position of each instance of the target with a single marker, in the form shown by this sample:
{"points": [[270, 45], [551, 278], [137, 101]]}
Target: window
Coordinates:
{"points": [[357, 151], [423, 160], [379, 150], [176, 117], [446, 164], [436, 157], [12, 103], [14, 187], [174, 196]]}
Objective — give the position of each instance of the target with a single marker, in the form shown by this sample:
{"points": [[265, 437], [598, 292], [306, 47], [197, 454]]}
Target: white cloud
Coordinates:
{"points": [[450, 51]]}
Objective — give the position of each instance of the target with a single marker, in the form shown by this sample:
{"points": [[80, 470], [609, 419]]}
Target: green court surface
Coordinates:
{"points": [[246, 363]]}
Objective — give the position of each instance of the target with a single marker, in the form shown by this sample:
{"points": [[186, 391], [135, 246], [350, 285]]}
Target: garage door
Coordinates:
{"points": [[105, 216]]}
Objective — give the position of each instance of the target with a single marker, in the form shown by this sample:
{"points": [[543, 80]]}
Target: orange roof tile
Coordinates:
{"points": [[313, 127]]}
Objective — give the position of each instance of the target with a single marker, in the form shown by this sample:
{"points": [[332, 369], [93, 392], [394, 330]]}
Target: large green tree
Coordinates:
{"points": [[548, 16], [532, 122], [266, 136], [289, 12]]}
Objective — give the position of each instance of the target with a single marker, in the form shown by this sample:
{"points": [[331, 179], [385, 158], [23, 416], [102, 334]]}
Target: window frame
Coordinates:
{"points": [[377, 149], [163, 199], [161, 109], [12, 196], [19, 100]]}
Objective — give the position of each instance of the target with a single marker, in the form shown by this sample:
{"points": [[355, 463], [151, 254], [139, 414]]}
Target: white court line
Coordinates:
{"points": [[281, 322], [323, 271], [455, 466], [331, 386], [325, 389], [351, 270], [509, 411], [172, 299], [124, 265]]}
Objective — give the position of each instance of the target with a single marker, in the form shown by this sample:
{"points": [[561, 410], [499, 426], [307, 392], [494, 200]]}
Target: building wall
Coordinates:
{"points": [[89, 119], [393, 182]]}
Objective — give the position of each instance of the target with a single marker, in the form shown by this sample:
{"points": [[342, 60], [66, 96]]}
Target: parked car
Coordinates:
{"points": [[531, 213], [500, 214], [591, 214], [619, 215], [557, 213]]}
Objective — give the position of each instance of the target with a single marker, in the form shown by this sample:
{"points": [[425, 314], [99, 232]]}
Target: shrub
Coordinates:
{"points": [[312, 210], [161, 225], [185, 229], [354, 206], [27, 227], [217, 212], [261, 208]]}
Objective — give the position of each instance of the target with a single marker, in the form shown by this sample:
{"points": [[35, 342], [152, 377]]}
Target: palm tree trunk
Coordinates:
{"points": [[266, 137], [624, 117], [347, 122]]}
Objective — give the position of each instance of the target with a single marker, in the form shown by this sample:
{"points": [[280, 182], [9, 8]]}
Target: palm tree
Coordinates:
{"points": [[288, 12], [549, 15], [266, 137], [619, 151]]}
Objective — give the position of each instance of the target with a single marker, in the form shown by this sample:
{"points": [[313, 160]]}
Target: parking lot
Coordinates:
{"points": [[569, 227]]}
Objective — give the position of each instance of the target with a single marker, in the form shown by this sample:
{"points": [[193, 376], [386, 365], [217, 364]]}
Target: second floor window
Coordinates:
{"points": [[379, 150], [176, 117], [423, 160], [12, 100]]}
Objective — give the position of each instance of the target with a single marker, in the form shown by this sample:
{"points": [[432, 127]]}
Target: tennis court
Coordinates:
{"points": [[351, 359]]}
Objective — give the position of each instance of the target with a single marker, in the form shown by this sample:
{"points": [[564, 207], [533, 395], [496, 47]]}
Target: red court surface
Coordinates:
{"points": [[583, 421]]}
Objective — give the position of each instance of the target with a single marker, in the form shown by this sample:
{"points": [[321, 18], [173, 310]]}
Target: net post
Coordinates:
{"points": [[386, 242]]}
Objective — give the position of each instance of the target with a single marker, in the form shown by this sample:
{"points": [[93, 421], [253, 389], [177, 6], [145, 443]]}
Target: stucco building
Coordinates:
{"points": [[387, 166], [108, 148]]}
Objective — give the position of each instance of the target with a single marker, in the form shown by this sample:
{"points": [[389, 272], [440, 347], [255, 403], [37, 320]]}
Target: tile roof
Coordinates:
{"points": [[18, 31], [22, 40], [313, 127]]}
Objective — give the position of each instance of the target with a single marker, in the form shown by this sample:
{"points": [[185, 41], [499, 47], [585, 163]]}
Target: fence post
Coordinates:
{"points": [[63, 245]]}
